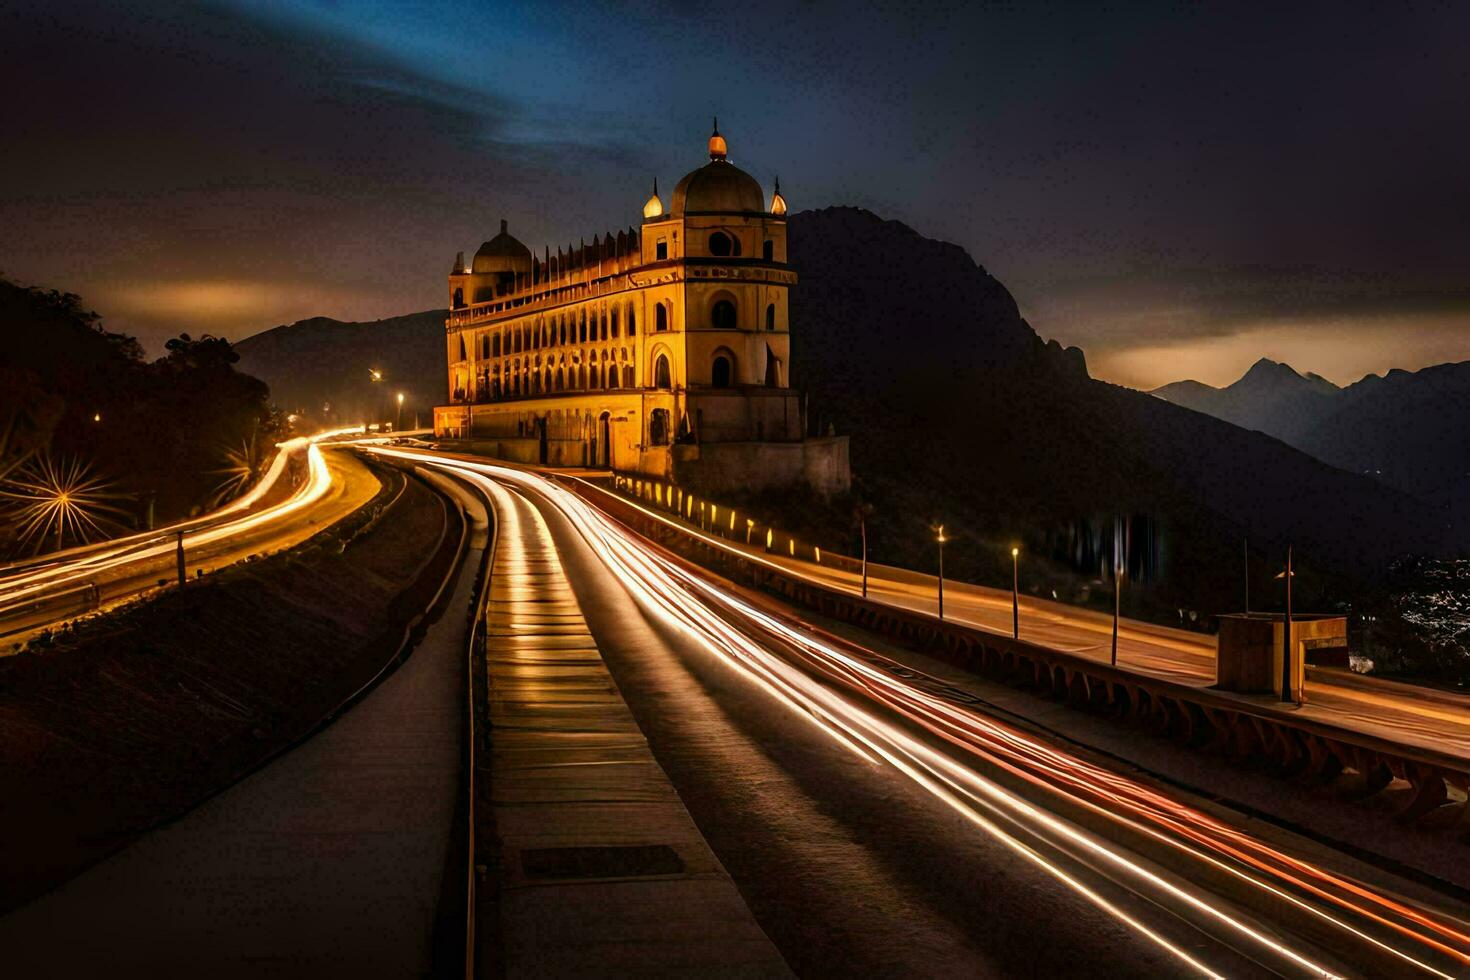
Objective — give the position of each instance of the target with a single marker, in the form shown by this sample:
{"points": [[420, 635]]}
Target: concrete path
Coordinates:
{"points": [[328, 862], [603, 872]]}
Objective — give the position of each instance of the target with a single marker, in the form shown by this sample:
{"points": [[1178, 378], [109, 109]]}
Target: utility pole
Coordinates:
{"points": [[1117, 603], [861, 512], [1246, 547], [179, 554]]}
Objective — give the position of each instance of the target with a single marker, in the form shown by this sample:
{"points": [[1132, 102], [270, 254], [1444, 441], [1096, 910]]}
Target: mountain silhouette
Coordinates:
{"points": [[1410, 430]]}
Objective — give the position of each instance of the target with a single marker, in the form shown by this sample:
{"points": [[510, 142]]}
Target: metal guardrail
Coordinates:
{"points": [[1203, 718]]}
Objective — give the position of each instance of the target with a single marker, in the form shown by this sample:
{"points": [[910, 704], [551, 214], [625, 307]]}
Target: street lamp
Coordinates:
{"points": [[939, 537], [1016, 593], [398, 425], [374, 376], [1286, 646]]}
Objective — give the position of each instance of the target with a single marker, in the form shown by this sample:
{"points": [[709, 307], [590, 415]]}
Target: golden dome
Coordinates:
{"points": [[503, 253], [655, 206], [778, 203], [718, 186]]}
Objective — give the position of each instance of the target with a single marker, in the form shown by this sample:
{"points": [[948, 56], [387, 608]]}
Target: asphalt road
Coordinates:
{"points": [[878, 821]]}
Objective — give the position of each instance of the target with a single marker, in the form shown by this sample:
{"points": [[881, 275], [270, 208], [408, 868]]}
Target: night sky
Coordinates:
{"points": [[1177, 189]]}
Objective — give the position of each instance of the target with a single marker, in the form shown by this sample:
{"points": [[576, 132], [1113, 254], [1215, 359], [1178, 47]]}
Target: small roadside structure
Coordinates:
{"points": [[1248, 659]]}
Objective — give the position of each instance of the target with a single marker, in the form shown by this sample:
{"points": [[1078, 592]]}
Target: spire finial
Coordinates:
{"points": [[717, 147]]}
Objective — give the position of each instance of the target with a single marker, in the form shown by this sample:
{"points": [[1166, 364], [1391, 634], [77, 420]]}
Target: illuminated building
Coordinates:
{"points": [[662, 349]]}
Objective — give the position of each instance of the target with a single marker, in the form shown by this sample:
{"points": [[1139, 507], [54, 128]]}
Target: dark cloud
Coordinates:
{"points": [[1150, 178]]}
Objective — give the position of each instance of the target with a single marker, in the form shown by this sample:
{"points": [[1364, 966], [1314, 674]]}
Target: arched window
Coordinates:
{"points": [[495, 345], [771, 317], [658, 427], [582, 327], [459, 298], [627, 376], [612, 375], [582, 377], [721, 244], [722, 315], [660, 317], [615, 321], [661, 377], [561, 379], [632, 322], [604, 324], [462, 355], [722, 371], [562, 329], [773, 368], [768, 250]]}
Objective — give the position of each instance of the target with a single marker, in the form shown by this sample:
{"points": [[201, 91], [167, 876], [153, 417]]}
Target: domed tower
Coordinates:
{"points": [[726, 305]]}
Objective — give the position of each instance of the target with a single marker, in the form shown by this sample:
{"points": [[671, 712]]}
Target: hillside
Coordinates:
{"points": [[957, 410], [1406, 429], [324, 362]]}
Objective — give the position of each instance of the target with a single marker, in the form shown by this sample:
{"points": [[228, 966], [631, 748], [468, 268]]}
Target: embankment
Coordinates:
{"points": [[131, 719]]}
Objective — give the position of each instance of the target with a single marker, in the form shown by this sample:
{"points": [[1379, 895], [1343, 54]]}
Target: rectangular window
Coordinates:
{"points": [[661, 249]]}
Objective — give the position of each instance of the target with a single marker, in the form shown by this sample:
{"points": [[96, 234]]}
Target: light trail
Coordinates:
{"points": [[936, 743], [63, 572]]}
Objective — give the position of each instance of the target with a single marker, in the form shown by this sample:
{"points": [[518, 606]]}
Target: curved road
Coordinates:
{"points": [[871, 813], [304, 490]]}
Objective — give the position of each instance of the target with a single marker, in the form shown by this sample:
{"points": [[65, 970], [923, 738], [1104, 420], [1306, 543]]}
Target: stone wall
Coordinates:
{"points": [[721, 466]]}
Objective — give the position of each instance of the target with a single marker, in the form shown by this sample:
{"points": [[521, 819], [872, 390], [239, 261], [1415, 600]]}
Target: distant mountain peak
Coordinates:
{"points": [[1265, 367]]}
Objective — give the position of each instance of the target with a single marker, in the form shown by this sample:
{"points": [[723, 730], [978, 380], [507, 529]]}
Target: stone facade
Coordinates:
{"points": [[645, 350]]}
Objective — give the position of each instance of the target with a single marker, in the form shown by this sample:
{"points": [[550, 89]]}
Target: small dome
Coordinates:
{"points": [[503, 253], [655, 206], [718, 186], [778, 203]]}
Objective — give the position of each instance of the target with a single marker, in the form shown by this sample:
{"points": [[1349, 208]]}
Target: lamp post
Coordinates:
{"points": [[375, 376], [398, 425], [179, 557], [940, 538], [1016, 593], [1286, 651]]}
